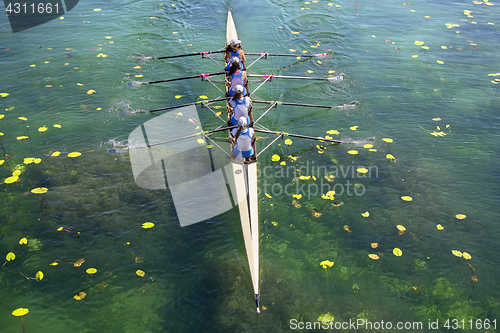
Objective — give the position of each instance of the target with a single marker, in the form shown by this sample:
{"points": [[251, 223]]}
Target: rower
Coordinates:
{"points": [[241, 105], [244, 137], [237, 76], [233, 49], [232, 61]]}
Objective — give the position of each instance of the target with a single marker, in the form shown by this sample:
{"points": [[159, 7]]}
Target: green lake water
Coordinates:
{"points": [[196, 277]]}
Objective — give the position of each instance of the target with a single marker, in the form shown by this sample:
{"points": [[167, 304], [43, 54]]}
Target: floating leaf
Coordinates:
{"points": [[374, 256], [42, 129], [331, 132], [390, 157], [466, 255], [79, 262], [39, 190], [74, 154], [374, 245], [406, 198], [57, 125], [367, 146], [439, 227], [20, 312], [353, 152], [4, 94], [353, 128], [329, 195], [54, 263], [39, 276], [81, 295], [23, 118], [91, 271], [365, 214], [413, 290], [267, 195], [275, 158], [316, 213], [23, 241], [457, 253], [400, 227], [140, 273], [11, 179], [10, 256], [148, 225], [397, 252], [203, 97], [440, 62], [56, 153], [362, 170], [288, 142], [347, 228], [330, 178], [387, 140], [460, 216], [60, 228], [337, 203], [327, 263]]}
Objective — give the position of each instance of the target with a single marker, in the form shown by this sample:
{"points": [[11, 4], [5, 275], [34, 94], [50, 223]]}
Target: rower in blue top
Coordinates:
{"points": [[238, 77], [241, 107], [244, 138], [233, 49]]}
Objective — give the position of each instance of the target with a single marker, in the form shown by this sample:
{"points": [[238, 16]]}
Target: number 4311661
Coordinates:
{"points": [[470, 324], [40, 8]]}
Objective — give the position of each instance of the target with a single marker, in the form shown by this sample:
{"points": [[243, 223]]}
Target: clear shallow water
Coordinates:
{"points": [[196, 277]]}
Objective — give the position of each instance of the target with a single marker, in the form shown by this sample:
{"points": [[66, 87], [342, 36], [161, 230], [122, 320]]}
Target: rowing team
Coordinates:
{"points": [[240, 103]]}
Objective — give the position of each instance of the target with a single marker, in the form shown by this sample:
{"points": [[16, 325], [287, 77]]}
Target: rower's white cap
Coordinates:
{"points": [[239, 88], [235, 60], [235, 42], [242, 121]]}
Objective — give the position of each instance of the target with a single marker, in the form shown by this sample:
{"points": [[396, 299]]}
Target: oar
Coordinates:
{"points": [[337, 78], [345, 106], [298, 136], [202, 75], [180, 55], [188, 104], [206, 133], [319, 55]]}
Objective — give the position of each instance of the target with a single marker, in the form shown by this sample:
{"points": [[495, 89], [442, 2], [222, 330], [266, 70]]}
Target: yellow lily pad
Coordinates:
{"points": [[39, 190], [20, 312], [148, 225], [91, 271]]}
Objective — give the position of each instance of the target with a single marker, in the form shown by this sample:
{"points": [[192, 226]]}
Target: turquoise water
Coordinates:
{"points": [[197, 277]]}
